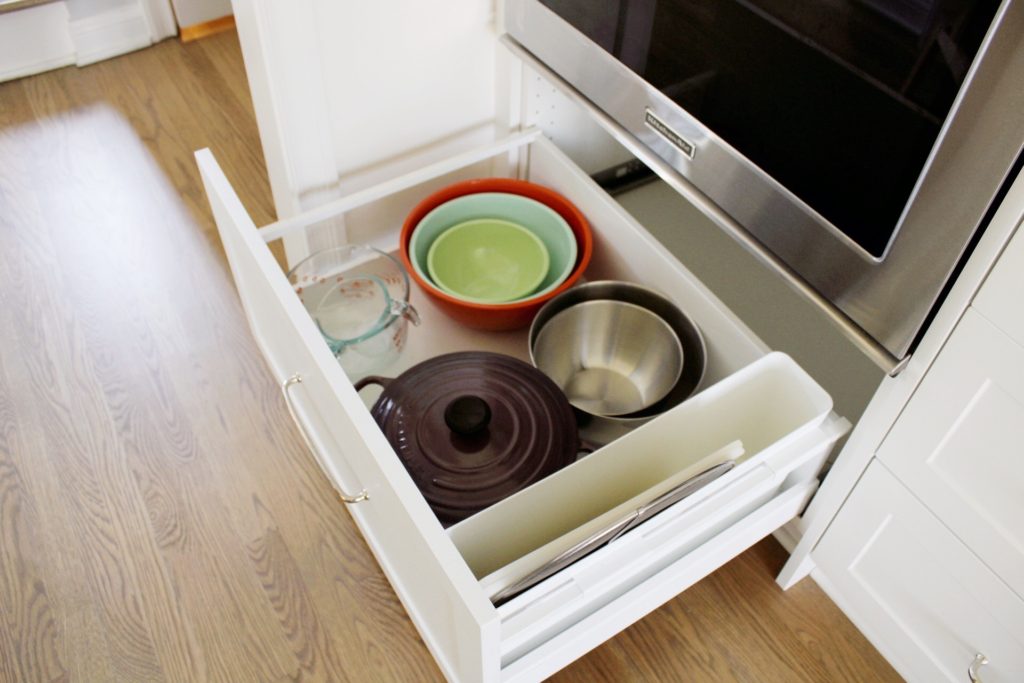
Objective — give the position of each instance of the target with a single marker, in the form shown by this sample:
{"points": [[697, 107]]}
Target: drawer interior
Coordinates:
{"points": [[757, 406], [623, 250]]}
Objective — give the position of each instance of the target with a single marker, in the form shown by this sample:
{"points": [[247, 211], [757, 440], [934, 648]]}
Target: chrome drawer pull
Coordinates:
{"points": [[285, 389], [980, 660]]}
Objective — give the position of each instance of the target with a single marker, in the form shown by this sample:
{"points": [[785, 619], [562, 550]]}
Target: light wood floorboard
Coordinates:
{"points": [[159, 519]]}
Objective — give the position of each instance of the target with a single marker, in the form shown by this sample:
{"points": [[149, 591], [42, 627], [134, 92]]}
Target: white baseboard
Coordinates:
{"points": [[111, 33], [44, 37], [33, 40], [37, 66]]}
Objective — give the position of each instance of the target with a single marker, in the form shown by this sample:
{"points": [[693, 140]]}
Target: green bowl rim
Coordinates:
{"points": [[461, 226]]}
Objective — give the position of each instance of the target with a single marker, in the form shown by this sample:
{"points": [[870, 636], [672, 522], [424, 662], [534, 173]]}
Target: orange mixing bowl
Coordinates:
{"points": [[509, 316]]}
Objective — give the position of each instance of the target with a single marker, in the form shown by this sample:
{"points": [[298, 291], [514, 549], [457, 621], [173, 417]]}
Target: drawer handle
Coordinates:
{"points": [[980, 660], [286, 389]]}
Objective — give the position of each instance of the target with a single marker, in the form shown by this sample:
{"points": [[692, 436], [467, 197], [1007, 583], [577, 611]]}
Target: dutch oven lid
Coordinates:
{"points": [[474, 427]]}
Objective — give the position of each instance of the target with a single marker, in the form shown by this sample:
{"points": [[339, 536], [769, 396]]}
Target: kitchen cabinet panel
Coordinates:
{"points": [[916, 590], [959, 442], [1000, 298]]}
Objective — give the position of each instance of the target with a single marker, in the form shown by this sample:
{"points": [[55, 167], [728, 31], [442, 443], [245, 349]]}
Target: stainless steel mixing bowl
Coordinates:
{"points": [[601, 428], [609, 357]]}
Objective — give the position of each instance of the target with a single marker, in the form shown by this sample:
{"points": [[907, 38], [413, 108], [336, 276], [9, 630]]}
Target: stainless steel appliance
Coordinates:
{"points": [[855, 144]]}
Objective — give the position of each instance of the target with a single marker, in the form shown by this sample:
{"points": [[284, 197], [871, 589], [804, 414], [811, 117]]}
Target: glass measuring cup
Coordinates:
{"points": [[359, 298]]}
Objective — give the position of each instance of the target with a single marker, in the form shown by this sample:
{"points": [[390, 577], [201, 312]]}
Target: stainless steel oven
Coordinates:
{"points": [[859, 142]]}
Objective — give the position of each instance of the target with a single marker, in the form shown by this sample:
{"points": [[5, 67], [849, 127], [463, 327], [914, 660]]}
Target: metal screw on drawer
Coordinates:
{"points": [[980, 660], [286, 389]]}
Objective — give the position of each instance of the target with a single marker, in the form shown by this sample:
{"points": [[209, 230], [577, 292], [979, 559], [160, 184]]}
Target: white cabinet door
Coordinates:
{"points": [[1001, 298], [923, 598], [959, 445]]}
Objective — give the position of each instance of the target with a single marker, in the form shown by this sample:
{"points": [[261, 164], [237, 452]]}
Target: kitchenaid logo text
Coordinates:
{"points": [[662, 129]]}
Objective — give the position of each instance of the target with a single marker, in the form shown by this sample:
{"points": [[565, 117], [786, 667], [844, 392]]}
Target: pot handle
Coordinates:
{"points": [[383, 382]]}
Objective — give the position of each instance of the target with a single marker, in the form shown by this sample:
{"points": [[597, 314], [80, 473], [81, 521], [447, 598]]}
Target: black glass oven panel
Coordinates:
{"points": [[839, 100]]}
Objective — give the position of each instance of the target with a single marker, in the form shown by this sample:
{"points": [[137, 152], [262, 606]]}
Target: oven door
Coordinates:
{"points": [[875, 241]]}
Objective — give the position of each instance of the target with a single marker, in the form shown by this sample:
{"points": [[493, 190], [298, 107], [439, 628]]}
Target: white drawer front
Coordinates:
{"points": [[959, 445], [471, 639], [555, 622], [422, 564], [919, 594]]}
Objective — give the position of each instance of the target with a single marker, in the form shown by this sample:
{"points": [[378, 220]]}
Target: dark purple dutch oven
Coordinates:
{"points": [[474, 427]]}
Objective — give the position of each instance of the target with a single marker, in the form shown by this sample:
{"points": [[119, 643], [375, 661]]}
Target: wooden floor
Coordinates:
{"points": [[159, 519]]}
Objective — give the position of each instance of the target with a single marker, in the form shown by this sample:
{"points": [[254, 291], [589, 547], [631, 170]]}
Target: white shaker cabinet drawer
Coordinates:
{"points": [[959, 444], [763, 400], [924, 600]]}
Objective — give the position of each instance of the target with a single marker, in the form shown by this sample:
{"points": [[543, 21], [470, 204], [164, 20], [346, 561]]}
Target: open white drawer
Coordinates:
{"points": [[763, 399]]}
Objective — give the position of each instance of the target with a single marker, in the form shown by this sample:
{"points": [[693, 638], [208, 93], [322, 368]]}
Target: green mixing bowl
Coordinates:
{"points": [[488, 261]]}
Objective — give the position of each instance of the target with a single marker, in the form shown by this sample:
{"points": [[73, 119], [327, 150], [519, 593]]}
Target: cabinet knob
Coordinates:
{"points": [[980, 660]]}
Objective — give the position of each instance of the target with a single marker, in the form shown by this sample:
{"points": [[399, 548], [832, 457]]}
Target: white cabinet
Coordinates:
{"points": [[329, 128], [1001, 298], [927, 554], [960, 444], [780, 415], [928, 603]]}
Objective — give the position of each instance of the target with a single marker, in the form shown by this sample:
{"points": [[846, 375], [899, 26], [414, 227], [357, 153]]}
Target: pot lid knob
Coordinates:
{"points": [[467, 415]]}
